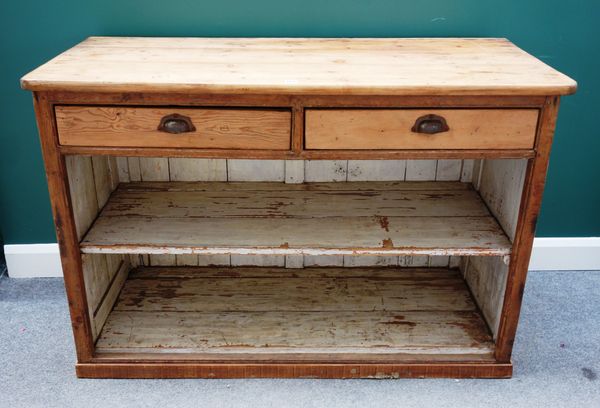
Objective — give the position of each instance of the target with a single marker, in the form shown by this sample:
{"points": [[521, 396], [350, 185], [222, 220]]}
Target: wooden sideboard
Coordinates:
{"points": [[332, 208]]}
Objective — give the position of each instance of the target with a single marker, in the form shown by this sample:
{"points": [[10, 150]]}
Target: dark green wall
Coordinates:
{"points": [[565, 34]]}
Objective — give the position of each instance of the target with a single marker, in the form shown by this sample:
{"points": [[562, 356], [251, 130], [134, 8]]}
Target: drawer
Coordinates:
{"points": [[420, 128], [208, 128]]}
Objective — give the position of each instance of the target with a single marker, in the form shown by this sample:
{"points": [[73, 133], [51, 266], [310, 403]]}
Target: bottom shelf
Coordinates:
{"points": [[282, 315]]}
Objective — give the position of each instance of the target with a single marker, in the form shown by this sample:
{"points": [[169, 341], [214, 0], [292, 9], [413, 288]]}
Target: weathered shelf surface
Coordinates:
{"points": [[313, 313], [303, 66], [393, 218]]}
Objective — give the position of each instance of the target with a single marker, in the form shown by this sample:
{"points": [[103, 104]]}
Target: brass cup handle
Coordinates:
{"points": [[430, 124], [176, 124]]}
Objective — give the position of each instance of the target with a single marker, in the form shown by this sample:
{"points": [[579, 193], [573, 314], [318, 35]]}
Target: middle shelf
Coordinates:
{"points": [[352, 218]]}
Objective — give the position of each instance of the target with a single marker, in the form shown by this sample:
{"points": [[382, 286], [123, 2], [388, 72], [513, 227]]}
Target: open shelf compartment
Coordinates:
{"points": [[210, 275], [390, 218], [320, 314]]}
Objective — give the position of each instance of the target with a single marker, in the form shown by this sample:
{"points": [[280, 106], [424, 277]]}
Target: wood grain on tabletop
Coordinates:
{"points": [[385, 66]]}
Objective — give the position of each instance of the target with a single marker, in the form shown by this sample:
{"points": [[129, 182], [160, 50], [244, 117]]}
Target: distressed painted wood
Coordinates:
{"points": [[328, 202], [102, 179], [420, 170], [376, 170], [123, 169], [386, 66], [310, 236], [281, 187], [500, 183], [257, 260], [162, 259], [323, 260], [377, 221], [83, 192], [309, 311], [356, 261], [111, 294], [154, 168], [214, 260], [294, 261], [486, 278], [181, 169], [135, 173], [294, 171], [325, 170], [255, 170], [392, 129], [448, 170], [501, 186]]}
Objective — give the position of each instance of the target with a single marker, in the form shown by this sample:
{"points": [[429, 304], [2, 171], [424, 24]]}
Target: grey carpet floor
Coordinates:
{"points": [[557, 362]]}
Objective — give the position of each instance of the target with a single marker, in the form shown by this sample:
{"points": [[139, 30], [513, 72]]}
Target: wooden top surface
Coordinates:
{"points": [[411, 66]]}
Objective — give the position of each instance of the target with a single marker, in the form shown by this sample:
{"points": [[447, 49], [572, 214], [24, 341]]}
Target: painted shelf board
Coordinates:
{"points": [[369, 66], [393, 218], [320, 313]]}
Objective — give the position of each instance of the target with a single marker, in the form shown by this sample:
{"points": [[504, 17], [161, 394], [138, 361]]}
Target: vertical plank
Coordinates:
{"points": [[96, 278], [323, 260], [354, 261], [154, 168], [255, 170], [467, 170], [123, 169], [184, 169], [448, 170], [294, 261], [413, 261], [477, 169], [113, 169], [420, 170], [294, 171], [102, 179], [144, 259], [82, 191], [162, 260], [186, 260], [114, 262], [439, 261], [455, 261], [133, 164], [257, 260], [376, 170], [134, 260], [325, 170], [214, 260]]}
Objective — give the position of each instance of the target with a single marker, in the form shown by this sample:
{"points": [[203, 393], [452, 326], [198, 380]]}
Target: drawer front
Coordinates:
{"points": [[173, 127], [408, 128]]}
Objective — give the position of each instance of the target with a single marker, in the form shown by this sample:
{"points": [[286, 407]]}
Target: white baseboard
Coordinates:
{"points": [[549, 254], [33, 261], [565, 254]]}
